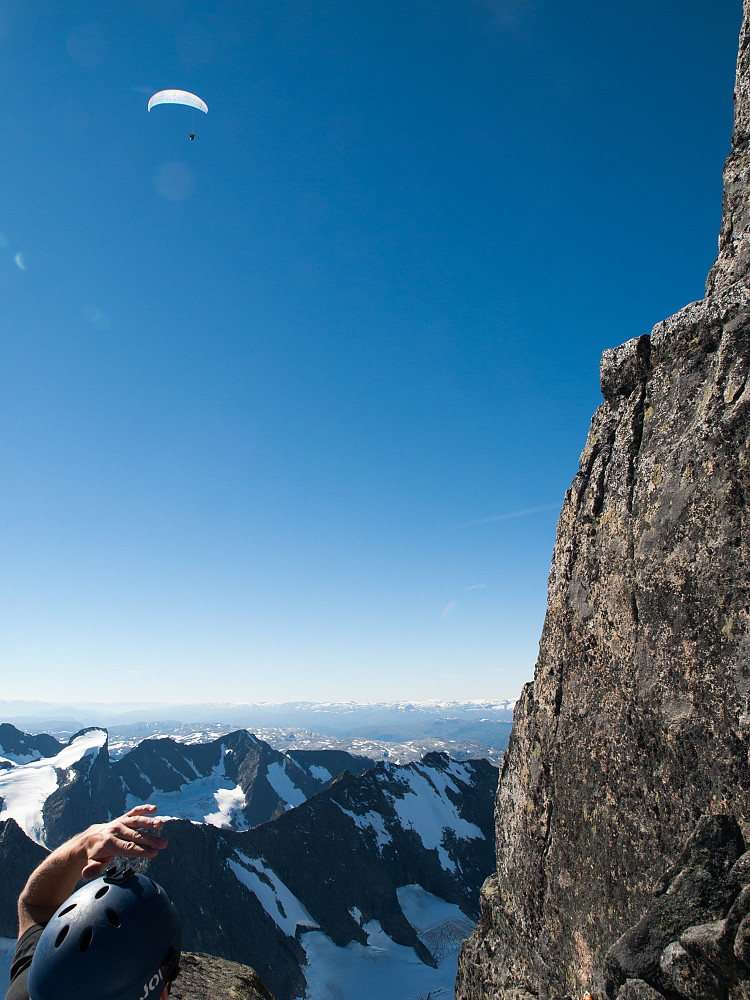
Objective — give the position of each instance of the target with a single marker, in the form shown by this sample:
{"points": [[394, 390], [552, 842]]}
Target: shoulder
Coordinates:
{"points": [[21, 961]]}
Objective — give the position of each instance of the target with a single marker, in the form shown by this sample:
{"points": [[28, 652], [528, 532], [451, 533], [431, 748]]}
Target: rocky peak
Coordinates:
{"points": [[733, 262]]}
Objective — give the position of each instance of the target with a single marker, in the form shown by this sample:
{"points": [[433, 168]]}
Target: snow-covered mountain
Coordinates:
{"points": [[364, 890], [53, 797], [236, 781], [329, 875]]}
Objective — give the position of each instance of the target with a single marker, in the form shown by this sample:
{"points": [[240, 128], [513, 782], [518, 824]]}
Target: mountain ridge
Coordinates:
{"points": [[354, 868]]}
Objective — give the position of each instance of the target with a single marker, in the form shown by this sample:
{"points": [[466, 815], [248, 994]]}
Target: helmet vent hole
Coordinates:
{"points": [[67, 909], [113, 918], [61, 936], [102, 892], [157, 887], [86, 938]]}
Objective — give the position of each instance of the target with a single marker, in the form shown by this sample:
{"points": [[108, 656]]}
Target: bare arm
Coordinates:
{"points": [[135, 835]]}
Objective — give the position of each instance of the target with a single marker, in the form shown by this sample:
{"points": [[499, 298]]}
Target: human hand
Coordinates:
{"points": [[134, 835]]}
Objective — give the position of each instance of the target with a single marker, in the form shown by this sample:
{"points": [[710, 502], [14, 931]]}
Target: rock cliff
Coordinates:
{"points": [[638, 719]]}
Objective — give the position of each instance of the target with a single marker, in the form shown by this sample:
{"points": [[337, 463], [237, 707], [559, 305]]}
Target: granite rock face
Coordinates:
{"points": [[637, 723]]}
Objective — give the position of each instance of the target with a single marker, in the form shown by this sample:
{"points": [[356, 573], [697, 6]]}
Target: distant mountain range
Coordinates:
{"points": [[276, 713], [322, 870], [397, 731]]}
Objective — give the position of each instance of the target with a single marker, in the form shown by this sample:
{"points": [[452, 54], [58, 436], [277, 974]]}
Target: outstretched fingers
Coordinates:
{"points": [[124, 840], [140, 820], [135, 834], [141, 810], [141, 817]]}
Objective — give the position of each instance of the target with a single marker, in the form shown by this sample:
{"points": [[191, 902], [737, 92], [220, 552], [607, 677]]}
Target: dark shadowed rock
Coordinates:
{"points": [[204, 977], [218, 915], [19, 747], [691, 944], [636, 989], [19, 857], [638, 719], [684, 934], [332, 761]]}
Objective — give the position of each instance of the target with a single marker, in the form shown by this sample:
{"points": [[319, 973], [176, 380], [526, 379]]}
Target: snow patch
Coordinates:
{"points": [[320, 773], [440, 926], [369, 821], [231, 802], [214, 799], [379, 970], [460, 771], [281, 905], [284, 787], [86, 745]]}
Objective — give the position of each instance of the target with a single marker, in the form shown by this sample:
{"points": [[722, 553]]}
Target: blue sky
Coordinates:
{"points": [[289, 411]]}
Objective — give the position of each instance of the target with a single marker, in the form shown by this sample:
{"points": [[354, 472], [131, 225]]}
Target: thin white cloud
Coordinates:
{"points": [[511, 514], [477, 586], [448, 608]]}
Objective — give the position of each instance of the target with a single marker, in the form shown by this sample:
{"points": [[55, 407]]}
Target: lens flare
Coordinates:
{"points": [[174, 181]]}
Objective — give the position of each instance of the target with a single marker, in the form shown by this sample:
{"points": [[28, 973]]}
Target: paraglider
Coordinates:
{"points": [[179, 97]]}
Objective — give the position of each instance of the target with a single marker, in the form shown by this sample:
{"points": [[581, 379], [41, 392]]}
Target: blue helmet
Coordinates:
{"points": [[117, 938]]}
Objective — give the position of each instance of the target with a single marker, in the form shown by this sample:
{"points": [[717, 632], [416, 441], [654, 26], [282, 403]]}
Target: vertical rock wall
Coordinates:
{"points": [[638, 719]]}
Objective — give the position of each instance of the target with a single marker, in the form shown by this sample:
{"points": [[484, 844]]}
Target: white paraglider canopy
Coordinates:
{"points": [[178, 97]]}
